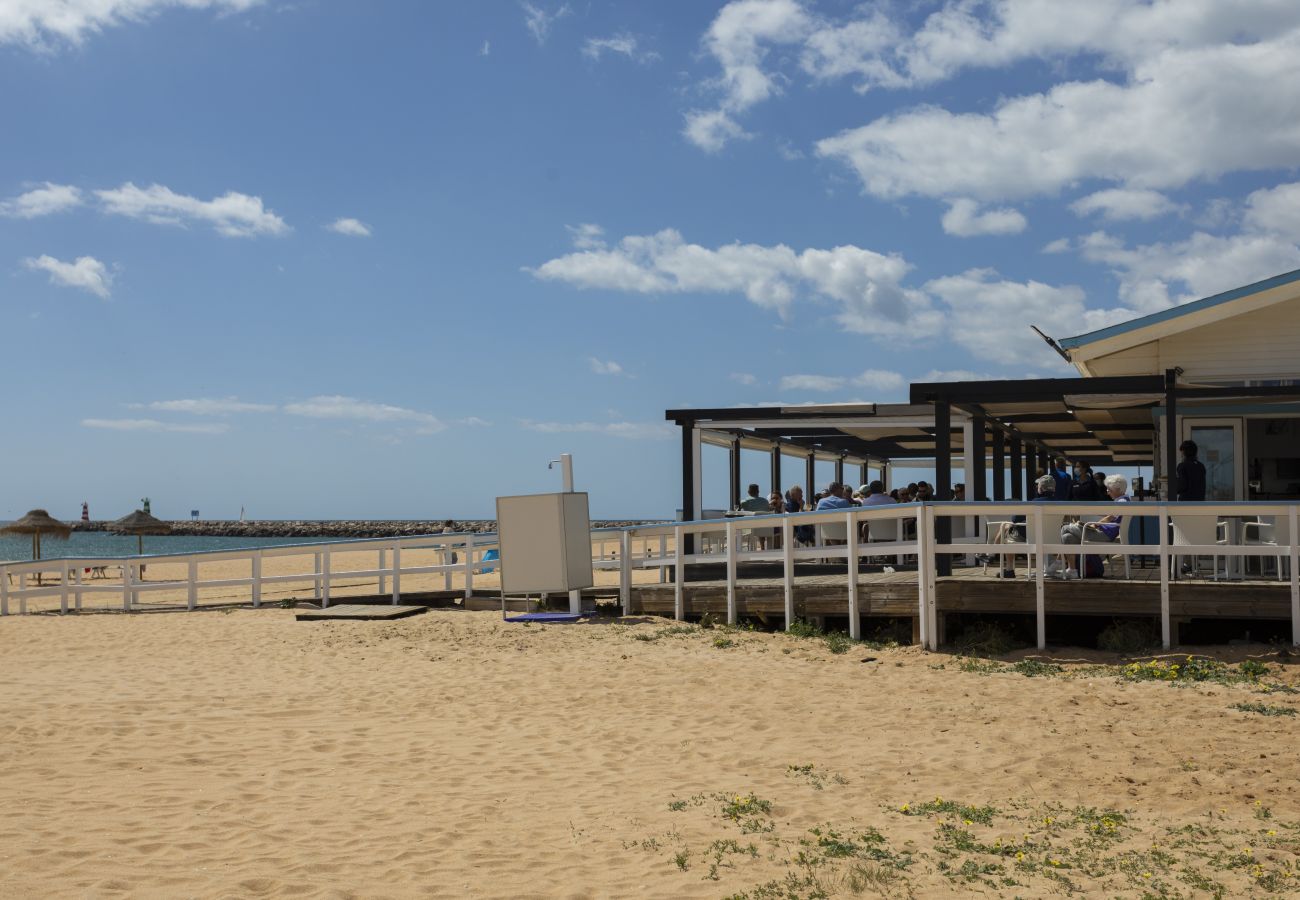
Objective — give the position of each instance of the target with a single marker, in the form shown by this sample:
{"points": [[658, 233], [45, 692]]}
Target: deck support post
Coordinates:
{"points": [[126, 588], [625, 573], [731, 571], [1162, 526], [943, 478], [192, 600], [1040, 598], [63, 587], [839, 469], [978, 488], [383, 564], [679, 574], [469, 567], [1017, 463], [324, 557], [689, 512], [257, 579], [397, 573], [855, 621], [733, 471], [787, 568]]}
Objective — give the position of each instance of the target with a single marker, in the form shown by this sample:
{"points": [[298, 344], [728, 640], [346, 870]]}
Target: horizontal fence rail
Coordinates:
{"points": [[919, 534]]}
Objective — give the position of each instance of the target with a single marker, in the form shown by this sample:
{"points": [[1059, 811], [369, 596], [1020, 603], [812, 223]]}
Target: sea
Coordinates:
{"points": [[18, 547]]}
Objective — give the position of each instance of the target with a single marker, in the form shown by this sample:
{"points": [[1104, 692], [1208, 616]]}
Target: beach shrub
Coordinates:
{"points": [[1265, 710], [838, 642], [985, 639], [1032, 668], [1126, 636]]}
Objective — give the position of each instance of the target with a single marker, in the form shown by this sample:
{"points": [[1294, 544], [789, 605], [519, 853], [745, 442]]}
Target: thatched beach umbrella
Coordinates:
{"points": [[36, 523], [140, 523]]}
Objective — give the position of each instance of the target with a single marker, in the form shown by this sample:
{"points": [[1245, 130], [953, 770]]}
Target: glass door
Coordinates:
{"points": [[1219, 449]]}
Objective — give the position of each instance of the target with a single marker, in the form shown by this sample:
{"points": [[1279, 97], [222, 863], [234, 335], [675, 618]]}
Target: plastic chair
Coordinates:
{"points": [[1093, 535], [1051, 535], [1187, 531], [1269, 531]]}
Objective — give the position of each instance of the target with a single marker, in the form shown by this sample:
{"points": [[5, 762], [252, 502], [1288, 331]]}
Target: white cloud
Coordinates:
{"points": [[604, 367], [736, 41], [711, 130], [866, 285], [964, 219], [210, 406], [1179, 116], [539, 20], [623, 44], [35, 22], [155, 425], [1060, 245], [349, 227], [880, 379], [45, 200], [474, 422], [350, 408], [232, 214], [744, 378], [628, 430], [85, 272], [486, 49], [990, 317], [812, 383], [1119, 204], [956, 375], [1275, 210], [587, 236]]}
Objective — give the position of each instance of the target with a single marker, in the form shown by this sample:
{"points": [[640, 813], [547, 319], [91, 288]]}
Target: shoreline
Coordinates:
{"points": [[333, 528]]}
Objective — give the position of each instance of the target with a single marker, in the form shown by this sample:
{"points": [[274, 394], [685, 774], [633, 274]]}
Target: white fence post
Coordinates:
{"points": [[316, 572], [1294, 515], [257, 579], [63, 587], [1040, 598], [926, 584], [383, 564], [679, 574], [731, 571], [397, 572], [76, 580], [1162, 524], [193, 584], [663, 554], [4, 591], [325, 579], [469, 567], [855, 622], [446, 572], [787, 569], [126, 586], [625, 573]]}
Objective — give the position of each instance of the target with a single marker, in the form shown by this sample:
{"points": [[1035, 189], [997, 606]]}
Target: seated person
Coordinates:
{"points": [[875, 495], [834, 498], [1014, 532], [803, 534], [755, 502], [1107, 527]]}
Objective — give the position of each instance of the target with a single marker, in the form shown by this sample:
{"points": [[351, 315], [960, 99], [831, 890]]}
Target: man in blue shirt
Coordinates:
{"points": [[1064, 483], [834, 498]]}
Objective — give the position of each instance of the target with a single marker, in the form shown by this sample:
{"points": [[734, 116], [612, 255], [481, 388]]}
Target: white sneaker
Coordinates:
{"points": [[1070, 575], [1053, 570]]}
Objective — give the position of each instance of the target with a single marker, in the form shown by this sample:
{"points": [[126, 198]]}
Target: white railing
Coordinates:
{"points": [[459, 555], [911, 530]]}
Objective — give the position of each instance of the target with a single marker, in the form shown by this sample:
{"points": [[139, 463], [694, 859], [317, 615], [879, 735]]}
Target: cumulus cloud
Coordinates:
{"points": [[45, 200], [1119, 204], [232, 214], [876, 379], [155, 425], [587, 236], [350, 408], [1275, 210], [604, 367], [711, 130], [210, 406], [866, 286], [812, 383], [744, 378], [38, 22], [628, 430], [539, 21], [349, 227], [1179, 116], [85, 272], [964, 219], [622, 44], [990, 316]]}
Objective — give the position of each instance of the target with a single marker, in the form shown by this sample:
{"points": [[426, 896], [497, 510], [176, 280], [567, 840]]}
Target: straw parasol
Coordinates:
{"points": [[140, 523], [36, 523]]}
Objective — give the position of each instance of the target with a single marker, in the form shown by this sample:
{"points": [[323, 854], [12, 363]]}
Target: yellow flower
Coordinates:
{"points": [[968, 822], [1047, 820], [904, 808], [1020, 855], [1146, 874], [1056, 862], [1271, 832]]}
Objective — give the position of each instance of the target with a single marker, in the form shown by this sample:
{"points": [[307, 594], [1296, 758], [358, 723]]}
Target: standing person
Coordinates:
{"points": [[1085, 487], [1190, 474], [1061, 472], [754, 502]]}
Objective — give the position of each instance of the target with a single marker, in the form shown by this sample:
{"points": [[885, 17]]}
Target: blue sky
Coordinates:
{"points": [[337, 259]]}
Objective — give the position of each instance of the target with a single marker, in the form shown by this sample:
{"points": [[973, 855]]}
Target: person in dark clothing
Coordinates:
{"points": [[1061, 474], [1085, 487], [1190, 474]]}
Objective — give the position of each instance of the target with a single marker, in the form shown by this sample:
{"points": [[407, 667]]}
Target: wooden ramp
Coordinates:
{"points": [[360, 612]]}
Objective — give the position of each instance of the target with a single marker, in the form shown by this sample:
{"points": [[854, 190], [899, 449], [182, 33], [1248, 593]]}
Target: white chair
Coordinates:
{"points": [[1093, 535], [1269, 531], [1016, 548], [1190, 531]]}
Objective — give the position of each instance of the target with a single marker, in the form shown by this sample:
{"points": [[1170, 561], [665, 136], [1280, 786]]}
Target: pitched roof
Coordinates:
{"points": [[1183, 311]]}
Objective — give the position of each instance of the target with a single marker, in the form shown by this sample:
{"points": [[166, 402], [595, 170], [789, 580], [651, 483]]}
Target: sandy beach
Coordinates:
{"points": [[238, 753]]}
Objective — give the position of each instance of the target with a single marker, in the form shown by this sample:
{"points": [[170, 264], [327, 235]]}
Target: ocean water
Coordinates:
{"points": [[17, 547]]}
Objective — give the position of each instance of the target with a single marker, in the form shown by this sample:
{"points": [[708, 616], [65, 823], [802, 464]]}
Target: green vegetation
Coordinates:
{"points": [[1265, 710]]}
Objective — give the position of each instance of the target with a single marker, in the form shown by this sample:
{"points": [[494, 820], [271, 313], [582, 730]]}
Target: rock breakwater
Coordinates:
{"points": [[335, 528]]}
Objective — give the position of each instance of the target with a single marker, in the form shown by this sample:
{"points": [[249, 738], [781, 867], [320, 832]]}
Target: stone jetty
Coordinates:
{"points": [[334, 528]]}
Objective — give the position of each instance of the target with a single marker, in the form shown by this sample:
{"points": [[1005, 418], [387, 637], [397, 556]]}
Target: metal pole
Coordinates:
{"points": [[978, 489], [733, 471], [776, 468], [566, 467], [1171, 435], [999, 465], [943, 477]]}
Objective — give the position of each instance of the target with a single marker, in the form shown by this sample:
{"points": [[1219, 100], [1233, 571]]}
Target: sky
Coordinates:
{"points": [[332, 259]]}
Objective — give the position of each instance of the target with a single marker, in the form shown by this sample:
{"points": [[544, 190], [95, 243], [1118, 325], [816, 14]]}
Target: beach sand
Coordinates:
{"points": [[238, 753]]}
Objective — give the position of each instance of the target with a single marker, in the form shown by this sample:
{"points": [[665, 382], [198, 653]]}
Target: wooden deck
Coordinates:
{"points": [[894, 594]]}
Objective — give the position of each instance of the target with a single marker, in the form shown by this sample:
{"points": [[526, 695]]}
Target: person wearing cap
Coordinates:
{"points": [[1190, 474]]}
